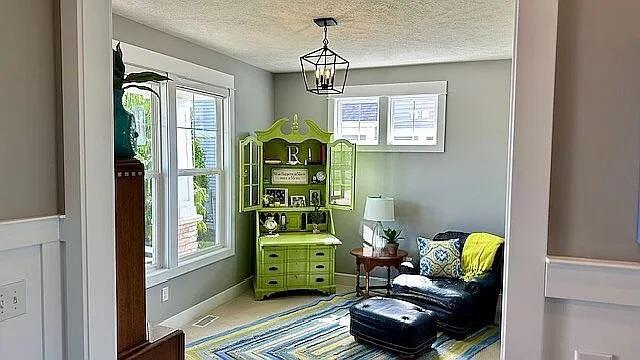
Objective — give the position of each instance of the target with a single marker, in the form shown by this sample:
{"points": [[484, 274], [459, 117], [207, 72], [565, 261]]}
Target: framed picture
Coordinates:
{"points": [[277, 196], [288, 176], [315, 197], [298, 200]]}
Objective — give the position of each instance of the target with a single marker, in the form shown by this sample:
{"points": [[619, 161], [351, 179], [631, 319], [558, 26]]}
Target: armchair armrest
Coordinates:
{"points": [[482, 283], [410, 267]]}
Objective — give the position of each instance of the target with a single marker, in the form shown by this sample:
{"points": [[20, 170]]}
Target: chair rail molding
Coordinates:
{"points": [[602, 281], [29, 232]]}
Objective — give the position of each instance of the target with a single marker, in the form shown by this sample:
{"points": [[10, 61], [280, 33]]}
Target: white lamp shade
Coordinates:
{"points": [[379, 209]]}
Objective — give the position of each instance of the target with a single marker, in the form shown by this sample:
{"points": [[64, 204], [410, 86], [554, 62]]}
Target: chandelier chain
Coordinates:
{"points": [[325, 41]]}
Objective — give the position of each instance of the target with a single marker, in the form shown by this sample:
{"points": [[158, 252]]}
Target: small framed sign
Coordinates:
{"points": [[289, 176]]}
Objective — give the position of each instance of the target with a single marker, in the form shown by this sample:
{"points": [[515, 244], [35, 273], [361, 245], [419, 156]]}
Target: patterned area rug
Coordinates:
{"points": [[319, 331]]}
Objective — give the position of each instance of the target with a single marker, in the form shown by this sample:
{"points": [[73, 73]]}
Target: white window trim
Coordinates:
{"points": [[383, 92], [196, 77]]}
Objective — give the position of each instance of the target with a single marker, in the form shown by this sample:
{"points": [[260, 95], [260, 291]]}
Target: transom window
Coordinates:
{"points": [[413, 120], [358, 120], [185, 142], [391, 117]]}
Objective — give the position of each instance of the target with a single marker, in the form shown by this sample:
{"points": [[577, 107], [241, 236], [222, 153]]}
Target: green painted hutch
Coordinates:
{"points": [[295, 175]]}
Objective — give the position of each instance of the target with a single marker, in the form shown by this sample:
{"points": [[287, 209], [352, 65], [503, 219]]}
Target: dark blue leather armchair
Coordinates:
{"points": [[461, 307]]}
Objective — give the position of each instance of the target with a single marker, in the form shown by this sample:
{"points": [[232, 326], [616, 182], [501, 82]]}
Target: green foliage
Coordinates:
{"points": [[201, 187], [130, 102], [119, 78], [392, 235]]}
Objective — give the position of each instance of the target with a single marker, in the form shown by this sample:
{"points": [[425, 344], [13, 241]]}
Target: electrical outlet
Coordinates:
{"points": [[165, 294], [13, 300], [582, 355]]}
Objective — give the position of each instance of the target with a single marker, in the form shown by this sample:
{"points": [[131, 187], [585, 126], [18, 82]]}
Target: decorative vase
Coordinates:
{"points": [[392, 249], [271, 225], [124, 129], [315, 229]]}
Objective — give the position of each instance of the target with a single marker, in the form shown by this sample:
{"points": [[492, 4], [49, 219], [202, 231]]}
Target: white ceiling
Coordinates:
{"points": [[272, 34]]}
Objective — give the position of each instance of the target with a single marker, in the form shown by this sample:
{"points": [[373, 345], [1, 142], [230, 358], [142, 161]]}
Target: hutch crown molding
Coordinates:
{"points": [[293, 175]]}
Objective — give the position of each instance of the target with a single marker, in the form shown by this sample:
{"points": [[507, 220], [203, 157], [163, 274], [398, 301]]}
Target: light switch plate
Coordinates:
{"points": [[584, 355], [13, 300]]}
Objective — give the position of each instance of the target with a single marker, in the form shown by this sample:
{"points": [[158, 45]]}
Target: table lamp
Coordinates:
{"points": [[378, 209]]}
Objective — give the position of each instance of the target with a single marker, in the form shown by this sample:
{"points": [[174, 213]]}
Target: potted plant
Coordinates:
{"points": [[315, 218], [392, 236], [124, 128]]}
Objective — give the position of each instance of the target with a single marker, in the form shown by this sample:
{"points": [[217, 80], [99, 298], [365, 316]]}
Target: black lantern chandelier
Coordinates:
{"points": [[324, 71]]}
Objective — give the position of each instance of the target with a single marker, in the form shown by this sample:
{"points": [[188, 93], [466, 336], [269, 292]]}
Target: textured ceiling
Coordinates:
{"points": [[272, 34]]}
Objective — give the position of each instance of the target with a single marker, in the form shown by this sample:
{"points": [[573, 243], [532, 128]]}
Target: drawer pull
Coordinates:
{"points": [[319, 279], [319, 254], [273, 268], [273, 282], [273, 255], [319, 266]]}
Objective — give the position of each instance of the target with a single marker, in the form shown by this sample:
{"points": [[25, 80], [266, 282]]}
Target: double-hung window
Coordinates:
{"points": [[391, 117], [185, 142]]}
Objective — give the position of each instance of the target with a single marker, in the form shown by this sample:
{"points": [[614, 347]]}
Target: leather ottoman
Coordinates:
{"points": [[394, 325]]}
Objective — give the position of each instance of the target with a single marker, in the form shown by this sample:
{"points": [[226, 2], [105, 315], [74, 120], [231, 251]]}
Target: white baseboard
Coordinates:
{"points": [[603, 281], [187, 315]]}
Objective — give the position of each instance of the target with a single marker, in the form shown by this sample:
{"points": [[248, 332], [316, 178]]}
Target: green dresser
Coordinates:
{"points": [[297, 175], [292, 261]]}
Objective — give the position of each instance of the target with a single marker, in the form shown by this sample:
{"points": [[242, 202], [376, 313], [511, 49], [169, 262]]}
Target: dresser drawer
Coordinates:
{"points": [[272, 269], [272, 282], [296, 280], [273, 255], [321, 253], [297, 253], [297, 267], [320, 267], [319, 279]]}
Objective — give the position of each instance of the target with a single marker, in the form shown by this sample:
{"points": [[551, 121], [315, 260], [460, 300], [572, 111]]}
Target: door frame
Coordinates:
{"points": [[88, 230], [529, 175]]}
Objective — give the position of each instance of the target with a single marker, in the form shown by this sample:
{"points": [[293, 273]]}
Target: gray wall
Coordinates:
{"points": [[254, 110], [596, 142], [461, 189], [28, 101]]}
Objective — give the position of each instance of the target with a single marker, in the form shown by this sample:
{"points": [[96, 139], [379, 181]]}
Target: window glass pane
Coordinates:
{"points": [[197, 120], [413, 120], [144, 106], [358, 120], [197, 210], [150, 222]]}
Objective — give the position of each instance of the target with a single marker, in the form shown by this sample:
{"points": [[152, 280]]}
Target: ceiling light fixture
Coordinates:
{"points": [[324, 71]]}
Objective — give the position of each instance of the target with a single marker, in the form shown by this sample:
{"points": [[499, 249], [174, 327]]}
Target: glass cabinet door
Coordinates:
{"points": [[342, 175], [250, 173]]}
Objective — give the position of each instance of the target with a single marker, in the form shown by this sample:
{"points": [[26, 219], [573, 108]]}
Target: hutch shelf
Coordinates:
{"points": [[292, 176]]}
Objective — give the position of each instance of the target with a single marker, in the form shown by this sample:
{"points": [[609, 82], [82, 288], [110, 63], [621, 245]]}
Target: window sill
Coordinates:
{"points": [[159, 276], [401, 148]]}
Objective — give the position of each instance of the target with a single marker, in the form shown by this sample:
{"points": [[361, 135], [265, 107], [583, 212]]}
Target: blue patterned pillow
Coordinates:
{"points": [[440, 258]]}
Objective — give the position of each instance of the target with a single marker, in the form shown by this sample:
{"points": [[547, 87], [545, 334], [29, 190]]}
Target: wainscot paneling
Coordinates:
{"points": [[592, 307], [30, 250]]}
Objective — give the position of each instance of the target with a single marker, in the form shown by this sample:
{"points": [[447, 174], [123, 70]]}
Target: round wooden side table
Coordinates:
{"points": [[370, 259]]}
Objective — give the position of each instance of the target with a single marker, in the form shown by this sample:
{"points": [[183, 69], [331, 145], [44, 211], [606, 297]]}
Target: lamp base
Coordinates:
{"points": [[377, 241]]}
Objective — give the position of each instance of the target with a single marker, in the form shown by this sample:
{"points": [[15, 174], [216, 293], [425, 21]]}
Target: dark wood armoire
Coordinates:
{"points": [[135, 339]]}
